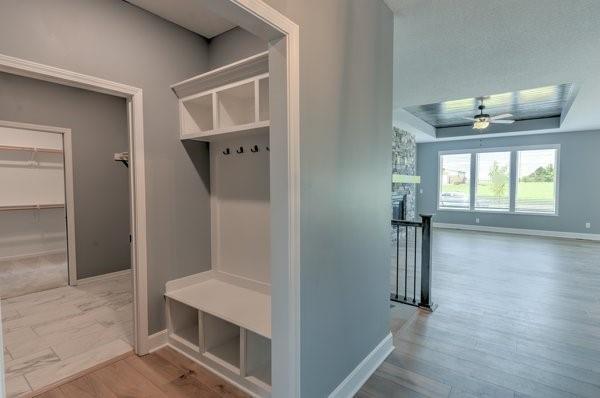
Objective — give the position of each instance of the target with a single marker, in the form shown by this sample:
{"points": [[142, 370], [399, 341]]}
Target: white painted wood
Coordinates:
{"points": [[263, 100], [157, 340], [257, 356], [231, 302], [133, 95], [240, 192], [184, 324], [221, 341], [355, 380], [520, 231], [190, 280], [236, 105], [229, 132], [235, 72]]}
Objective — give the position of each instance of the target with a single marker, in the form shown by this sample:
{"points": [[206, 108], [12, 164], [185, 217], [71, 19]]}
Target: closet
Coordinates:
{"points": [[32, 211], [222, 317]]}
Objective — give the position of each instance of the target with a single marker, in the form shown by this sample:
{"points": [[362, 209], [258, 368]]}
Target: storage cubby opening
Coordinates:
{"points": [[263, 94], [236, 105], [199, 114], [184, 323], [258, 357], [221, 340]]}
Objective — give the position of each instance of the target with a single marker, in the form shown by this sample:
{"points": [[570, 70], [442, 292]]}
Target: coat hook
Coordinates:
{"points": [[268, 149], [226, 151], [254, 148], [241, 150]]}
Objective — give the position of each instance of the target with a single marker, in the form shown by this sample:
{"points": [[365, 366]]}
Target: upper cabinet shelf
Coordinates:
{"points": [[230, 100]]}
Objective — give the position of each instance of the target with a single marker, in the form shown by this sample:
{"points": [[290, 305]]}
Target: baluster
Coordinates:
{"points": [[426, 264], [405, 260], [397, 258]]}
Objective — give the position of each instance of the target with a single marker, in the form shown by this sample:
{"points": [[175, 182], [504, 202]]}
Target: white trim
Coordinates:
{"points": [[519, 231], [288, 362], [43, 72], [103, 277], [69, 192], [158, 340], [359, 376]]}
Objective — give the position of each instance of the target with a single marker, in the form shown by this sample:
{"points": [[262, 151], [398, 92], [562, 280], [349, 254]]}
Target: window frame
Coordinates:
{"points": [[512, 179], [439, 191]]}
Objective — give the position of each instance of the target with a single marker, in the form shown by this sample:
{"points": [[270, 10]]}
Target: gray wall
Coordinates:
{"points": [[99, 129], [233, 45], [345, 138], [117, 41], [579, 192]]}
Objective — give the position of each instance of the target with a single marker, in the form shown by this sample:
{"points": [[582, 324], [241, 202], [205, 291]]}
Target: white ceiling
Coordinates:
{"points": [[187, 13], [468, 48]]}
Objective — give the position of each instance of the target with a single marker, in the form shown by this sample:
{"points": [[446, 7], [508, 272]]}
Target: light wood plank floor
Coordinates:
{"points": [[518, 316], [54, 334], [162, 374]]}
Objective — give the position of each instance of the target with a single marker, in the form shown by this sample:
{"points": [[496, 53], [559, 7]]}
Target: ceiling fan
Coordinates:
{"points": [[482, 121]]}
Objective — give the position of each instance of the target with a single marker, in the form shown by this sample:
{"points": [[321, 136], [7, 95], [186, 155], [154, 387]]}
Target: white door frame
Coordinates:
{"points": [[68, 176], [283, 36], [133, 95]]}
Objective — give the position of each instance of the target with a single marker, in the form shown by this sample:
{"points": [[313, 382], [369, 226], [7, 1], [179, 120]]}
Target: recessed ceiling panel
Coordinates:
{"points": [[187, 13], [536, 103]]}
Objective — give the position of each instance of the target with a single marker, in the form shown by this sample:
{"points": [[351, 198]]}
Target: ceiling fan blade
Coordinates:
{"points": [[468, 118], [503, 116], [502, 121]]}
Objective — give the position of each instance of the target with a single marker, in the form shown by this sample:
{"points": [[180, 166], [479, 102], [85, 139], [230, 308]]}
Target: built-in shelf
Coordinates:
{"points": [[227, 101], [228, 301], [184, 325], [32, 207], [29, 149]]}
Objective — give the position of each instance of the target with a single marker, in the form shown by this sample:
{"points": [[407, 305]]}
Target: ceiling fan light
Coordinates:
{"points": [[481, 124]]}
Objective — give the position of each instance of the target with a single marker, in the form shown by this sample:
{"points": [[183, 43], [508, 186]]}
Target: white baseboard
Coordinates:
{"points": [[157, 340], [519, 231], [99, 278], [359, 376]]}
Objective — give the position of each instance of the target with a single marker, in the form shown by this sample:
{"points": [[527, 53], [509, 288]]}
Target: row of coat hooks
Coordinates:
{"points": [[240, 150]]}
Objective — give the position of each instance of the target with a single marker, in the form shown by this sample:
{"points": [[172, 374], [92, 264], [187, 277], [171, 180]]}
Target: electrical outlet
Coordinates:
{"points": [[477, 221], [588, 225]]}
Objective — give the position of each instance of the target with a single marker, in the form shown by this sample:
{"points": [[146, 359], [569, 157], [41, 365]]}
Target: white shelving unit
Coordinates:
{"points": [[222, 317], [225, 102]]}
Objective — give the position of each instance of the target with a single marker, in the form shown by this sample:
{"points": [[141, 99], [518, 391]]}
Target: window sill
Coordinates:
{"points": [[503, 212]]}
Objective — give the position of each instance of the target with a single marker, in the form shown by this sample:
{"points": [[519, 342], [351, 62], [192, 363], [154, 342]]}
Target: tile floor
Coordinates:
{"points": [[32, 274], [56, 333]]}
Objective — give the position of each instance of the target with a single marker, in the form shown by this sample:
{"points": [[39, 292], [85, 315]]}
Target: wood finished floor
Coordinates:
{"points": [[518, 316], [162, 374]]}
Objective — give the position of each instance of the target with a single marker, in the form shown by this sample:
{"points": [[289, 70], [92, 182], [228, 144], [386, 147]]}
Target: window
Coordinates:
{"points": [[455, 181], [492, 191], [536, 181], [520, 180]]}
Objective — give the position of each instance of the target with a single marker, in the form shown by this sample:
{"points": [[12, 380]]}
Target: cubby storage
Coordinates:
{"points": [[222, 317], [236, 105], [257, 357], [227, 101], [183, 321], [221, 340], [197, 114]]}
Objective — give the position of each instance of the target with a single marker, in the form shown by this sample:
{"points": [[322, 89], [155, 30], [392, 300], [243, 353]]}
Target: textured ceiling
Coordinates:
{"points": [[187, 13], [452, 49], [536, 103]]}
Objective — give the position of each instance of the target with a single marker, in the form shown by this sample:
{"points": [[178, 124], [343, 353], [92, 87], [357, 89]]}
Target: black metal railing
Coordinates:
{"points": [[406, 275]]}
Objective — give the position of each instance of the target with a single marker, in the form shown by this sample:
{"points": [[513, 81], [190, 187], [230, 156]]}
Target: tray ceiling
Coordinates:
{"points": [[536, 103]]}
